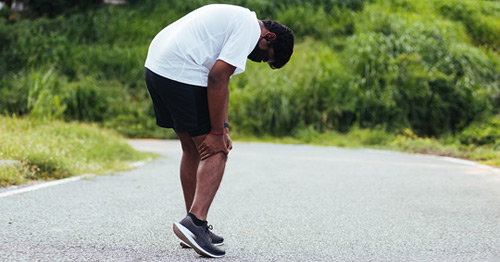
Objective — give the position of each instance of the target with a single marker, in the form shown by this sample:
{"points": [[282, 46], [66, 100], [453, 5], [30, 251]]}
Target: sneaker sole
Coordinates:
{"points": [[185, 235], [185, 245]]}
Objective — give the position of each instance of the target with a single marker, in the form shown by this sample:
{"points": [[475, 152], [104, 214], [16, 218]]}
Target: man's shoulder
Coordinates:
{"points": [[231, 10], [224, 7]]}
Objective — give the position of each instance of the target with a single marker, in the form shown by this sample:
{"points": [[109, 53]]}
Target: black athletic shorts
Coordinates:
{"points": [[179, 106]]}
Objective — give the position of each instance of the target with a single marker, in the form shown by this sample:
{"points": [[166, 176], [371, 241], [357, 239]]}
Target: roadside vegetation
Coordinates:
{"points": [[410, 75], [404, 141], [55, 149]]}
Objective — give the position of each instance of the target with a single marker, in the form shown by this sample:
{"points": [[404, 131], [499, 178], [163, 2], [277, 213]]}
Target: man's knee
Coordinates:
{"points": [[189, 148], [198, 140], [187, 145], [220, 156]]}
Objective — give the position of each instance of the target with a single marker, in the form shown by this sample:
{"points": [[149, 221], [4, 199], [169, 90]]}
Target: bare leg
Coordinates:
{"points": [[189, 167], [209, 176]]}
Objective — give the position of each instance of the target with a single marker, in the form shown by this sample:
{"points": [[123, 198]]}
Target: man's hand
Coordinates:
{"points": [[213, 144], [229, 142]]}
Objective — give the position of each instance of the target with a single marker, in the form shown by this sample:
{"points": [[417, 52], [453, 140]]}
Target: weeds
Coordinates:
{"points": [[54, 149], [404, 141]]}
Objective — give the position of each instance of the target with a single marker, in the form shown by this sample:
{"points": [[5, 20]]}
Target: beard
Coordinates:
{"points": [[257, 54]]}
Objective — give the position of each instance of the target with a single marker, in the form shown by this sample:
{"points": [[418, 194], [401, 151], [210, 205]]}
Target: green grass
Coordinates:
{"points": [[404, 141], [53, 149]]}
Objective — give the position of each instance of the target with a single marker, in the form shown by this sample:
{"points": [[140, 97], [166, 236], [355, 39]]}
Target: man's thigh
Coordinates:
{"points": [[187, 105]]}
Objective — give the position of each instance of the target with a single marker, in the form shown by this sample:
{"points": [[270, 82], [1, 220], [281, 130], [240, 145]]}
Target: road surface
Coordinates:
{"points": [[276, 203]]}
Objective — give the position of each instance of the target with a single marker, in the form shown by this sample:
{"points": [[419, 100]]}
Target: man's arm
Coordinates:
{"points": [[218, 98], [218, 94]]}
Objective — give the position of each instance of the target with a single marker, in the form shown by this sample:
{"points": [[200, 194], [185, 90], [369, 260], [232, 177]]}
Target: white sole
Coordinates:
{"points": [[186, 245], [185, 235]]}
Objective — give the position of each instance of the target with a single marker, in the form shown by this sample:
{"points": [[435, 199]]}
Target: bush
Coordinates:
{"points": [[390, 64], [311, 90], [91, 101], [11, 175], [47, 94], [314, 21], [53, 8], [483, 28], [137, 120], [482, 133], [330, 4], [27, 44], [13, 96], [410, 72]]}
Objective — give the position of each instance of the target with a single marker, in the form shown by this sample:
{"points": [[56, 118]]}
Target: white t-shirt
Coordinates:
{"points": [[186, 50]]}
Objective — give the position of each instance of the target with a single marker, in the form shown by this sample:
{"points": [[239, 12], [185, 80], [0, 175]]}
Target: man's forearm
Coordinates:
{"points": [[218, 97], [218, 94], [226, 120]]}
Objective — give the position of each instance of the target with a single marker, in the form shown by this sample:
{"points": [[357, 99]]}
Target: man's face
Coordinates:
{"points": [[263, 52], [270, 56]]}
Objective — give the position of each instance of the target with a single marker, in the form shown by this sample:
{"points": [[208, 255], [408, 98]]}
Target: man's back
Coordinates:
{"points": [[187, 49]]}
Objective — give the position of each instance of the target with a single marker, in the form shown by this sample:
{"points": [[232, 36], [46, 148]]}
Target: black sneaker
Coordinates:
{"points": [[198, 237], [216, 240]]}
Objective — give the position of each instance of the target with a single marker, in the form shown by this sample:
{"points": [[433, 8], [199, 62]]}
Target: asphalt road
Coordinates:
{"points": [[276, 203]]}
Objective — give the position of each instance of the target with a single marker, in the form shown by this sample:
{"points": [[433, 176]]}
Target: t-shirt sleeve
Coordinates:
{"points": [[241, 39]]}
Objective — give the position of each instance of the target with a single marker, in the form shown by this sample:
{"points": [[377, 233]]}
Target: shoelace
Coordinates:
{"points": [[208, 228]]}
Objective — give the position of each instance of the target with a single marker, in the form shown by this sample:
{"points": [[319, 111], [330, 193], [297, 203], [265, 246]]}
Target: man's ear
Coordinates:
{"points": [[270, 36]]}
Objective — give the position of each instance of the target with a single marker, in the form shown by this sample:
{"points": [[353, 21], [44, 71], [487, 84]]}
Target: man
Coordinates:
{"points": [[188, 68]]}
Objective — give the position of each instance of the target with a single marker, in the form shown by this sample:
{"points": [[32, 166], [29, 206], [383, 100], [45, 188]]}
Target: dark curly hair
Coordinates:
{"points": [[283, 45]]}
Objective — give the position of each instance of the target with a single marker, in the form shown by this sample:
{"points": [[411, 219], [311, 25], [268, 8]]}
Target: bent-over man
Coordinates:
{"points": [[188, 67]]}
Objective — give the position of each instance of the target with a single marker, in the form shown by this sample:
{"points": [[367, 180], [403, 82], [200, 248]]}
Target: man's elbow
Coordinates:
{"points": [[217, 80]]}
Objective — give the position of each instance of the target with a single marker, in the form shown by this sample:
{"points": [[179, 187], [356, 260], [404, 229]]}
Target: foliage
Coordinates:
{"points": [[376, 138], [424, 65], [409, 74], [52, 8], [483, 133], [308, 20], [14, 174], [479, 17], [312, 90]]}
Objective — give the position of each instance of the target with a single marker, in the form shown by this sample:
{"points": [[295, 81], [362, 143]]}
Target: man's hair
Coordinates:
{"points": [[283, 45]]}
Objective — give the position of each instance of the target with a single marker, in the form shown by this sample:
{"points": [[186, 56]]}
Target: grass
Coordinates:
{"points": [[48, 150], [404, 141]]}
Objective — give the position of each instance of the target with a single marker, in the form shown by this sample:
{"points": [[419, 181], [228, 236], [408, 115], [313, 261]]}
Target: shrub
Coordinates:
{"points": [[307, 20], [483, 28], [482, 133], [13, 96], [53, 8], [11, 175], [314, 21], [311, 90], [390, 64], [28, 44], [91, 101], [410, 72], [330, 4]]}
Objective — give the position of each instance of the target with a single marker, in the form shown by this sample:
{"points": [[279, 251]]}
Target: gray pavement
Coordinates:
{"points": [[276, 203]]}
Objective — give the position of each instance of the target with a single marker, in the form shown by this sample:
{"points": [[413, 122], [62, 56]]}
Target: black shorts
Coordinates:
{"points": [[179, 106]]}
